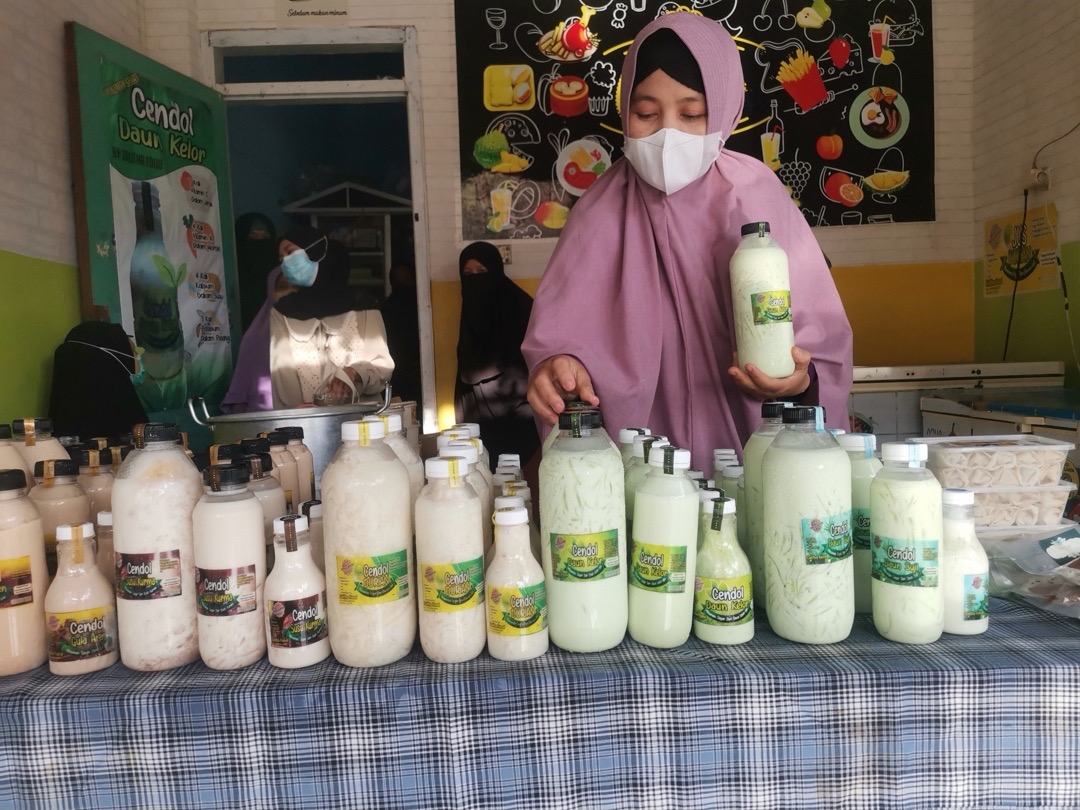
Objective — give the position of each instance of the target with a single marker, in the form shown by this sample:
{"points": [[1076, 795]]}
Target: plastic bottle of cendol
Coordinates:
{"points": [[663, 551], [753, 516], [860, 448], [965, 570], [809, 581], [626, 441], [295, 610], [906, 521], [367, 545], [582, 534], [636, 471], [23, 569], [516, 596], [761, 302], [723, 592], [450, 564]]}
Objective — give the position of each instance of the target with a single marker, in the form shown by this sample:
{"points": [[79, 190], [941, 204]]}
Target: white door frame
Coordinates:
{"points": [[217, 44]]}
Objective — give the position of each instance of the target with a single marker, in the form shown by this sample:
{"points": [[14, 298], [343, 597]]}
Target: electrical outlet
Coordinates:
{"points": [[507, 254], [1038, 179]]}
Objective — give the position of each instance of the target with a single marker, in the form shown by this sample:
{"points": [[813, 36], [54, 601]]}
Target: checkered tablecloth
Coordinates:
{"points": [[980, 722]]}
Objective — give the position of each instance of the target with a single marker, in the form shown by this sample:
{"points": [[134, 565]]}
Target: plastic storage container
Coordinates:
{"points": [[1009, 460], [1000, 507]]}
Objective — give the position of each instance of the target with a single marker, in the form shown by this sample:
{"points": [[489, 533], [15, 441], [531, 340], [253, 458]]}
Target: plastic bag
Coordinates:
{"points": [[1040, 568]]}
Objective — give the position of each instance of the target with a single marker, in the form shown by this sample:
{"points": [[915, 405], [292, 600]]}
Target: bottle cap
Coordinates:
{"points": [[586, 419], [465, 449], [709, 493], [858, 442], [511, 516], [706, 483], [643, 442], [509, 459], [450, 465], [104, 518], [708, 504], [225, 454], [392, 421], [670, 458], [65, 531], [277, 438], [5, 432], [260, 463], [472, 427], [774, 410], [508, 469], [91, 456], [910, 452], [754, 227], [299, 522], [731, 471], [800, 415], [500, 478], [952, 496], [293, 432], [364, 431], [56, 468], [122, 440], [312, 509], [12, 479], [451, 435], [626, 435], [506, 501], [156, 432], [68, 442], [120, 452], [517, 488], [219, 476], [695, 475], [22, 426], [100, 442], [724, 453], [254, 445]]}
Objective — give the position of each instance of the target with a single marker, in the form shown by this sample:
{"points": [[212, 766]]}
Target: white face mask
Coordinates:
{"points": [[672, 159]]}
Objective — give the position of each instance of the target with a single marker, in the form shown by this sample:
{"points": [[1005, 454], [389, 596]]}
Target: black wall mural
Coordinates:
{"points": [[839, 102]]}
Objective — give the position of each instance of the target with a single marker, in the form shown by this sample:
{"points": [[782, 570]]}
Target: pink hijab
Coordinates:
{"points": [[638, 290]]}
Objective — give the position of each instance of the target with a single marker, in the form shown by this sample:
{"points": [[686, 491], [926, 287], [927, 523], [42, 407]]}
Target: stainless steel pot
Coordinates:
{"points": [[322, 426]]}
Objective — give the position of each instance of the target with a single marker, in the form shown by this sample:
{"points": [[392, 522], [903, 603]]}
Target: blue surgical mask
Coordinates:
{"points": [[139, 377], [298, 268]]}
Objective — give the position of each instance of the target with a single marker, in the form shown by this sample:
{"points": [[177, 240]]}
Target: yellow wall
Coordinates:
{"points": [[909, 314]]}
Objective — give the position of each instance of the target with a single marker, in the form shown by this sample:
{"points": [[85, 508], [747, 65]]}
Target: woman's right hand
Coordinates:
{"points": [[556, 380]]}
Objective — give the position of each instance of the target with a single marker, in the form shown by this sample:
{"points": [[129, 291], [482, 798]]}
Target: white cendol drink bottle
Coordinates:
{"points": [[25, 576], [516, 597], [965, 570], [663, 551], [906, 520], [809, 582], [761, 301], [295, 594], [583, 536], [723, 593], [626, 441], [753, 516], [860, 448]]}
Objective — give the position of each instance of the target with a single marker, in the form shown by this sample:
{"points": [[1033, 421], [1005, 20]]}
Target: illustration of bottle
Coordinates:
{"points": [[772, 139], [154, 284]]}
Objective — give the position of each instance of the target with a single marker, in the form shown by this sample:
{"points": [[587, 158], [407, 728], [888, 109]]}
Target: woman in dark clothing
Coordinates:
{"points": [[256, 256], [492, 377], [93, 386]]}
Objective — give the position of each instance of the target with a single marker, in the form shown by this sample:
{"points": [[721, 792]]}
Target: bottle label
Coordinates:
{"points": [[585, 557], [860, 528], [16, 584], [723, 602], [81, 634], [906, 562], [517, 611], [225, 591], [976, 597], [148, 576], [827, 539], [373, 580], [658, 569], [454, 586], [297, 622], [771, 306]]}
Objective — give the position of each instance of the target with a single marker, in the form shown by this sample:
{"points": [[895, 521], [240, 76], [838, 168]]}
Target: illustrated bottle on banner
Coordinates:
{"points": [[154, 285]]}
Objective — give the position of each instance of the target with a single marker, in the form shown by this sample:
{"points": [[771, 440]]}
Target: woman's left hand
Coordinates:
{"points": [[761, 386]]}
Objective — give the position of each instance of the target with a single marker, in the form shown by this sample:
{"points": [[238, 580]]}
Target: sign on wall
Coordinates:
{"points": [[839, 103], [1020, 251], [154, 223]]}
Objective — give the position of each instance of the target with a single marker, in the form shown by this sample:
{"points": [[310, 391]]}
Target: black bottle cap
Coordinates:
{"points": [[219, 476], [754, 227], [5, 432], [256, 445], [225, 453], [586, 420], [773, 410], [277, 437], [155, 432], [59, 467], [260, 464], [292, 431], [39, 425], [83, 455], [12, 479], [800, 415]]}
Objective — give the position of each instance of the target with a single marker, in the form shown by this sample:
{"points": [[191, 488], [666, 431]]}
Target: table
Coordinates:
{"points": [[982, 722]]}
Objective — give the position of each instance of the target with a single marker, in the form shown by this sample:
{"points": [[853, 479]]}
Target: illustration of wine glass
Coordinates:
{"points": [[496, 19]]}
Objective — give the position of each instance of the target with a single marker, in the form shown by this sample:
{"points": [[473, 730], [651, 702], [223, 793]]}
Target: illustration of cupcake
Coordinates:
{"points": [[601, 77]]}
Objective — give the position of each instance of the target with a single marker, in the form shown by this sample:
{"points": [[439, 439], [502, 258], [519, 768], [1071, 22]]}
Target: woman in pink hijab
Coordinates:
{"points": [[634, 310]]}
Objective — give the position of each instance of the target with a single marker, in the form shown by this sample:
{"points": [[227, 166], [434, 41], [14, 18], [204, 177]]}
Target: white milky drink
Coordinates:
{"points": [[965, 569], [516, 595], [906, 521], [864, 466], [583, 536], [395, 439], [635, 472], [761, 302], [450, 564], [368, 550], [723, 591], [753, 516], [295, 600], [809, 578], [626, 441], [663, 551], [24, 572]]}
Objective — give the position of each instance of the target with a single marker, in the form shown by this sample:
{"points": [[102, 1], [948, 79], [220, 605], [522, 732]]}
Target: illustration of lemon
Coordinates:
{"points": [[887, 56]]}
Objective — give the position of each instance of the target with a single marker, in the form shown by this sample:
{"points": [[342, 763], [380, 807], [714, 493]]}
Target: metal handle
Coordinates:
{"points": [[205, 413], [385, 400]]}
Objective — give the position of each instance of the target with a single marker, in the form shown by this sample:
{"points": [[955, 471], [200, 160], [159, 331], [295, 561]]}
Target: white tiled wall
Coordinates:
{"points": [[37, 216], [1027, 90]]}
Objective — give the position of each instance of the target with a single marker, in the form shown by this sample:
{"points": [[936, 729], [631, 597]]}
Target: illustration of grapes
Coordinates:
{"points": [[794, 175]]}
